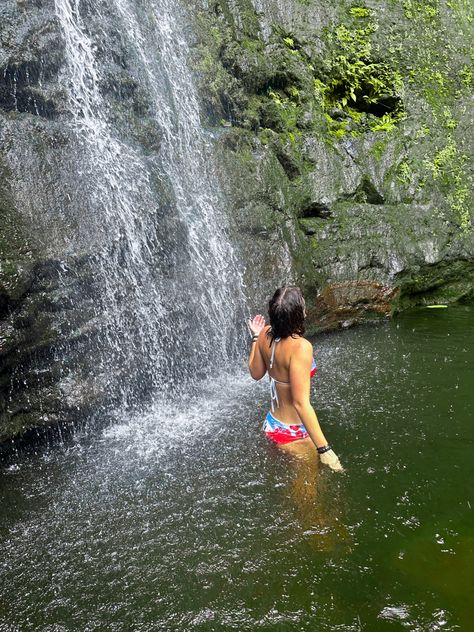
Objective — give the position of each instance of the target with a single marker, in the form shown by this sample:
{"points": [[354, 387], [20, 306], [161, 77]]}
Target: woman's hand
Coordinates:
{"points": [[256, 324], [330, 458]]}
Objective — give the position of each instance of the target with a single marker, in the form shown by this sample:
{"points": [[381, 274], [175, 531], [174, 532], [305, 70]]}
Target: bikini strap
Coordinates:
{"points": [[273, 351], [273, 389], [273, 395]]}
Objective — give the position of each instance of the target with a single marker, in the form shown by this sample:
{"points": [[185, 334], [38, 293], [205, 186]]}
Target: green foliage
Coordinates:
{"points": [[384, 124], [404, 173], [449, 122], [356, 84], [360, 12], [356, 42], [443, 158], [285, 113], [338, 129], [422, 132], [466, 75], [216, 35], [414, 9], [448, 168], [275, 97], [319, 89], [293, 92]]}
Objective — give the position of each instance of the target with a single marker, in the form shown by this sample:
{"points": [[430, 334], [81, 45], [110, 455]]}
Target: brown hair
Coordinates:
{"points": [[286, 310]]}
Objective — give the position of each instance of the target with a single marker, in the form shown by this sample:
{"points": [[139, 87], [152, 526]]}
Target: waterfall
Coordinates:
{"points": [[170, 281]]}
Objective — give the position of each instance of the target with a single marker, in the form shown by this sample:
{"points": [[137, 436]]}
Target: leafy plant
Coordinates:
{"points": [[360, 12], [404, 172], [357, 84], [448, 167]]}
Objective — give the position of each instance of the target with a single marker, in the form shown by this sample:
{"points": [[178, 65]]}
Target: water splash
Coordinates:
{"points": [[169, 278]]}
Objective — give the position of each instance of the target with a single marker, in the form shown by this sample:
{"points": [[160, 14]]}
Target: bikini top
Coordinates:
{"points": [[274, 382]]}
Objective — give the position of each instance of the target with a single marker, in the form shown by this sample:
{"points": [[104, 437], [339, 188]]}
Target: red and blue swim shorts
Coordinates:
{"points": [[279, 432]]}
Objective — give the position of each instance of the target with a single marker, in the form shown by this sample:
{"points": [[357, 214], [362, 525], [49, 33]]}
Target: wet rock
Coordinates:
{"points": [[51, 291], [365, 196], [346, 304], [361, 196]]}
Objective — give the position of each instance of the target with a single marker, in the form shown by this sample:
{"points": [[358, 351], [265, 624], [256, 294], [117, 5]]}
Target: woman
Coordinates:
{"points": [[281, 350]]}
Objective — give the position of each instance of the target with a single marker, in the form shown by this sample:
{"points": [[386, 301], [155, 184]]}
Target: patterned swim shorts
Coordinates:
{"points": [[283, 433]]}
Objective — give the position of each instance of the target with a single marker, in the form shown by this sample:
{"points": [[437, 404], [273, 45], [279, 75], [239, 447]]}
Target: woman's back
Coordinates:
{"points": [[282, 350]]}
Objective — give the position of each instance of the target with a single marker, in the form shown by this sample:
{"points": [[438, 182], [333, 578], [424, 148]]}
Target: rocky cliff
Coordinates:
{"points": [[343, 137], [344, 133], [91, 241]]}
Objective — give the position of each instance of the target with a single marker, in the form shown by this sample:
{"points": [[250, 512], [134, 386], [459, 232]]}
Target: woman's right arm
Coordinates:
{"points": [[299, 371]]}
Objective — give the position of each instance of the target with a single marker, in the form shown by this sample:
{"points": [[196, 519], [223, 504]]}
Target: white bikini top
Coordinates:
{"points": [[273, 381]]}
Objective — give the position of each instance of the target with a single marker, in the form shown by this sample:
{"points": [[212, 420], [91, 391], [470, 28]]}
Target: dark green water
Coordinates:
{"points": [[193, 521]]}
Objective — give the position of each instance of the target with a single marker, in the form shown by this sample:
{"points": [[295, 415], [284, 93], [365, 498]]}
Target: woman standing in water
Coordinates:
{"points": [[281, 350]]}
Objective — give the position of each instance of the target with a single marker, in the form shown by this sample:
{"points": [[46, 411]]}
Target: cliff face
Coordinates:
{"points": [[111, 228], [52, 242], [344, 145], [344, 133], [32, 306]]}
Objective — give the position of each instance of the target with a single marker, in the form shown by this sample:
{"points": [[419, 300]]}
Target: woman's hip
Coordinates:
{"points": [[280, 432]]}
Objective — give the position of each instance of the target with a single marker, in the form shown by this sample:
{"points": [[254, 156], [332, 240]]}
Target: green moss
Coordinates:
{"points": [[356, 84], [448, 168], [283, 93], [442, 283], [415, 9], [287, 90], [378, 148], [360, 12], [216, 35], [251, 45]]}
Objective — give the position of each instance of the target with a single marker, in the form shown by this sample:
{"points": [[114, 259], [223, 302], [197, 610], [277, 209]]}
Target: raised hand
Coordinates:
{"points": [[256, 324]]}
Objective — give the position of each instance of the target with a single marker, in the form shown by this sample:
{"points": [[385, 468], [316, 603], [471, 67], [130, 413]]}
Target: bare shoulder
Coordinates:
{"points": [[303, 347]]}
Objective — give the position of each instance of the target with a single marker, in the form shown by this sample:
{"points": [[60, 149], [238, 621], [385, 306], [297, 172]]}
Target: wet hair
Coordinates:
{"points": [[286, 310]]}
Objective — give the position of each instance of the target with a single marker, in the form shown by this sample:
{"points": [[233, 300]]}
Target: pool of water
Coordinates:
{"points": [[192, 520]]}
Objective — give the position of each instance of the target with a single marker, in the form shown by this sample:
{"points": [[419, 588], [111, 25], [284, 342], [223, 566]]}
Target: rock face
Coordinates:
{"points": [[343, 139], [111, 229], [345, 148], [33, 305], [70, 329]]}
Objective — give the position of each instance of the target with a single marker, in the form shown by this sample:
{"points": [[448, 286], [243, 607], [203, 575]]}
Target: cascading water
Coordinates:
{"points": [[168, 279]]}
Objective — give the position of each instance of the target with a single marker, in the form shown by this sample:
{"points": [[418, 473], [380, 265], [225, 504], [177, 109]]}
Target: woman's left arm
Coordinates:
{"points": [[257, 366]]}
